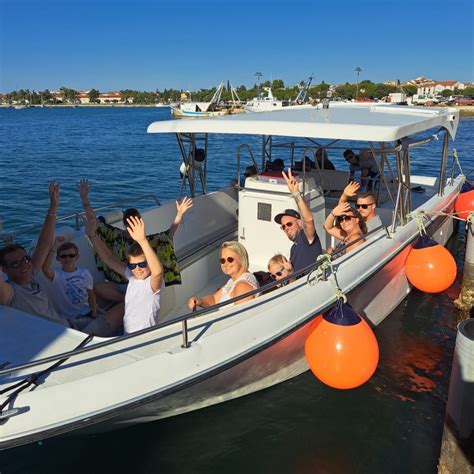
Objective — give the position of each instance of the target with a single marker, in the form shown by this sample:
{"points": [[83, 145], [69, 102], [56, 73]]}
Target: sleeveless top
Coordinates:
{"points": [[229, 287]]}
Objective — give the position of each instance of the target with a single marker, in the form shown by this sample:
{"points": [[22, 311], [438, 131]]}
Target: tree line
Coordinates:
{"points": [[366, 89]]}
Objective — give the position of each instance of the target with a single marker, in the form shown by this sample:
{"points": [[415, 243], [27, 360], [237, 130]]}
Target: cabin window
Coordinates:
{"points": [[264, 212]]}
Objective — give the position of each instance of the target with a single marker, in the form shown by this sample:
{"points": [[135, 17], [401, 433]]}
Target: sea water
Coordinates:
{"points": [[391, 424]]}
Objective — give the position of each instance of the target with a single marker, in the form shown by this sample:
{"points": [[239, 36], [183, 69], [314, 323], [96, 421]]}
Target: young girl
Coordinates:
{"points": [[279, 267]]}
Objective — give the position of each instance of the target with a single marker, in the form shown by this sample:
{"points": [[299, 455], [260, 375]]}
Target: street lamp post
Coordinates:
{"points": [[259, 75], [357, 71]]}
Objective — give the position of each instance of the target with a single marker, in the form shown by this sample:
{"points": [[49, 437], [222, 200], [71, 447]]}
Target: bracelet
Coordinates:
{"points": [[296, 195], [51, 213]]}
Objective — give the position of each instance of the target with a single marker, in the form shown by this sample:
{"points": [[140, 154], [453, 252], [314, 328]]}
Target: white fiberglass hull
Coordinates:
{"points": [[234, 352]]}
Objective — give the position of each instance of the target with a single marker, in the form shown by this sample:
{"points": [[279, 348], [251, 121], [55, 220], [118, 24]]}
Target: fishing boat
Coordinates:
{"points": [[193, 360], [201, 109], [270, 103]]}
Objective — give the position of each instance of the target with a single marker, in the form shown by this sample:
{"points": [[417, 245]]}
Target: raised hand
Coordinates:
{"points": [[84, 189], [351, 189], [290, 181], [53, 196], [181, 208], [136, 228], [341, 209]]}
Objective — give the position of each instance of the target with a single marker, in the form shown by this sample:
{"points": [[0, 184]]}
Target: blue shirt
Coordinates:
{"points": [[303, 253]]}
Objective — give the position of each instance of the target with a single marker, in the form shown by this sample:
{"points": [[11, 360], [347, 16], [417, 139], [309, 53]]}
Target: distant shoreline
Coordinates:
{"points": [[464, 110]]}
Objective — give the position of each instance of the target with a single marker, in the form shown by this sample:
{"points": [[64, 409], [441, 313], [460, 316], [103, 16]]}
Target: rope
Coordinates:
{"points": [[323, 262], [420, 214], [33, 378]]}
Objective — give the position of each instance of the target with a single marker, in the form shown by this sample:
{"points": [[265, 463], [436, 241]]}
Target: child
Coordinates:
{"points": [[279, 267], [74, 296], [143, 271]]}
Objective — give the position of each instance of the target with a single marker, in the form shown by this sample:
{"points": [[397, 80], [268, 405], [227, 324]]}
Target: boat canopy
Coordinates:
{"points": [[339, 121]]}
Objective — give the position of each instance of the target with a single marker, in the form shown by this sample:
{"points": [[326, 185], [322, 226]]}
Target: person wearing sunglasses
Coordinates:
{"points": [[118, 241], [23, 290], [366, 164], [73, 284], [234, 261], [279, 267], [143, 271], [365, 204], [348, 226], [299, 228]]}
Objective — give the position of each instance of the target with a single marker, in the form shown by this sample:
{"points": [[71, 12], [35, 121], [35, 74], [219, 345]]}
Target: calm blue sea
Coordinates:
{"points": [[392, 424]]}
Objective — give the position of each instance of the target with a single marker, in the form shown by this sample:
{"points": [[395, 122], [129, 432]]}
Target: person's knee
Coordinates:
{"points": [[115, 315]]}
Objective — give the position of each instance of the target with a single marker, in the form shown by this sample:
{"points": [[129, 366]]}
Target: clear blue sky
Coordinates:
{"points": [[157, 44]]}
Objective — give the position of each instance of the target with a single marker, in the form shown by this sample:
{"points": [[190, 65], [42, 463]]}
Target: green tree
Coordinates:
{"points": [[70, 95], [94, 96]]}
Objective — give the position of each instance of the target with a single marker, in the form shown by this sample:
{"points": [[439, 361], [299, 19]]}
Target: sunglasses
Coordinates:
{"points": [[18, 263], [132, 266], [229, 260], [288, 224], [274, 276], [68, 255], [345, 218], [364, 206]]}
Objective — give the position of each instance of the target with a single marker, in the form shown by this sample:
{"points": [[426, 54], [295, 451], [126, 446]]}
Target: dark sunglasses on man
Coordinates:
{"points": [[364, 206], [18, 263]]}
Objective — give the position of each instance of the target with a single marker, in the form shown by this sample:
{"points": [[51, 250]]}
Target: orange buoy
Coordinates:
{"points": [[465, 201], [430, 267], [342, 350]]}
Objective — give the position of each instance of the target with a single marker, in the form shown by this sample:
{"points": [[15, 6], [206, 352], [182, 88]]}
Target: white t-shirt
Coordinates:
{"points": [[71, 298], [142, 305]]}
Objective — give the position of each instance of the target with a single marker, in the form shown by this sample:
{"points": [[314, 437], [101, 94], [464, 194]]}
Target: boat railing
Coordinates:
{"points": [[308, 270], [77, 216]]}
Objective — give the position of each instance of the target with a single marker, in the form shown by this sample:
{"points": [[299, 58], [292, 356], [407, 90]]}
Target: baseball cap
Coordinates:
{"points": [[287, 212]]}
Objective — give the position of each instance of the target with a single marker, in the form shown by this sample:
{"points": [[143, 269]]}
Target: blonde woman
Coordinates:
{"points": [[234, 262]]}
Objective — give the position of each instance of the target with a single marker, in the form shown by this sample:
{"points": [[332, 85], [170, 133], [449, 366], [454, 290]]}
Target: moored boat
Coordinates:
{"points": [[201, 109], [234, 350]]}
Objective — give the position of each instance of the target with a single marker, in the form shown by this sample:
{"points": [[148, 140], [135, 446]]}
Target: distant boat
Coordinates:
{"points": [[201, 109], [162, 105], [269, 103], [19, 106]]}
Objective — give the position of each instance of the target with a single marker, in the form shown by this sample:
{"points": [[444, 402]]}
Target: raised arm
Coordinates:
{"points": [[103, 251], [329, 226], [84, 189], [48, 263], [181, 209], [303, 208], [46, 235], [136, 229], [349, 191]]}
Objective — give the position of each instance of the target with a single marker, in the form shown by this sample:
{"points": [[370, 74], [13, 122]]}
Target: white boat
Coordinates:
{"points": [[233, 350], [201, 109], [265, 104], [270, 103]]}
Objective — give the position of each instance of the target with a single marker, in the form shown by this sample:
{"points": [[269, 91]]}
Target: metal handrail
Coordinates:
{"points": [[178, 319], [244, 145], [76, 215], [184, 318]]}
